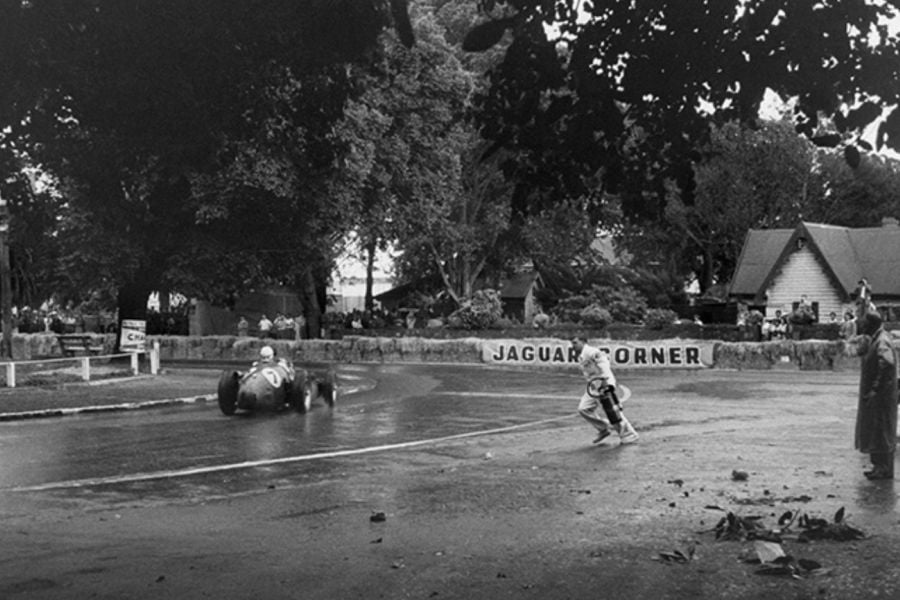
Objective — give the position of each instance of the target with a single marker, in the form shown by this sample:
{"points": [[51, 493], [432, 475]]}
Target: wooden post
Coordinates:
{"points": [[5, 283]]}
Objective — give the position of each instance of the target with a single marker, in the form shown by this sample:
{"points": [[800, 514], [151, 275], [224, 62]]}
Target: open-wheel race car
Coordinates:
{"points": [[274, 385]]}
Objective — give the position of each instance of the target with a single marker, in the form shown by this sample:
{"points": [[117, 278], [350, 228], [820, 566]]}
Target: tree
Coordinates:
{"points": [[149, 97], [748, 178], [410, 164], [625, 92], [853, 197]]}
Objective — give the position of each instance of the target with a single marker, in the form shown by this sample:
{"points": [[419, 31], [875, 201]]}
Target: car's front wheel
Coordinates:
{"points": [[228, 392]]}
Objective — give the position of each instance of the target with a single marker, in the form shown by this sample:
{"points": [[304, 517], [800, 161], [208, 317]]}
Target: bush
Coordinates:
{"points": [[623, 303], [658, 318], [482, 311], [595, 316]]}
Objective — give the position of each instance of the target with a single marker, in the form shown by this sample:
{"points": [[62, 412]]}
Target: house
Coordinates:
{"points": [[517, 295], [825, 263]]}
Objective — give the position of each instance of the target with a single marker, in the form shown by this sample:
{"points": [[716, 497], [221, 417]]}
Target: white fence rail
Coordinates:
{"points": [[84, 363]]}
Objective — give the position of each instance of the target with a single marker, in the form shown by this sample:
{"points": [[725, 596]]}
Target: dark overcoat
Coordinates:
{"points": [[876, 419]]}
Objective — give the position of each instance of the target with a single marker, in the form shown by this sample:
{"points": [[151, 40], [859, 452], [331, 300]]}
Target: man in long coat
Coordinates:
{"points": [[876, 419]]}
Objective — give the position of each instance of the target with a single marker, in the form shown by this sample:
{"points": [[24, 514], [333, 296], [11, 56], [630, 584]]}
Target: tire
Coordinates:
{"points": [[300, 393], [329, 388], [228, 392]]}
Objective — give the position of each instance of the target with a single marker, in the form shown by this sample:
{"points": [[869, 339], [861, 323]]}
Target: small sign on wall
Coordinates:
{"points": [[133, 337]]}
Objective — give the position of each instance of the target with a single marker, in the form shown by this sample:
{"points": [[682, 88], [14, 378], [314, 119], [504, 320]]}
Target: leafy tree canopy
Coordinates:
{"points": [[627, 90], [142, 110]]}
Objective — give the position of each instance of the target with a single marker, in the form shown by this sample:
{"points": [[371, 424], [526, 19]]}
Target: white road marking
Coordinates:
{"points": [[80, 483], [624, 392]]}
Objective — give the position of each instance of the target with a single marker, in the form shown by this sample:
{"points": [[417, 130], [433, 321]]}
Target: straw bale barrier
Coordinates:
{"points": [[806, 355]]}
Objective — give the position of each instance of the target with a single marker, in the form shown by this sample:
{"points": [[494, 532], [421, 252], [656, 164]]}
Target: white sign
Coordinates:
{"points": [[669, 354], [133, 337]]}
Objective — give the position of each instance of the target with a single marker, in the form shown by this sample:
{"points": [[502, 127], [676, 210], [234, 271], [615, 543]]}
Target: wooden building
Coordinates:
{"points": [[825, 263]]}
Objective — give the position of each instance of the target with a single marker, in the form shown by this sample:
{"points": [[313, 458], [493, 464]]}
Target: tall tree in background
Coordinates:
{"points": [[150, 96], [763, 178], [412, 164], [748, 178], [623, 93]]}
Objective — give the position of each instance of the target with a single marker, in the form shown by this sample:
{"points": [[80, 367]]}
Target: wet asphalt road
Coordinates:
{"points": [[394, 406], [488, 481]]}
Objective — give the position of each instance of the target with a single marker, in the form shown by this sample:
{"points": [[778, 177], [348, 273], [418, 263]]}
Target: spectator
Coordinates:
{"points": [[541, 320], [803, 314], [775, 328], [299, 327], [243, 327], [863, 294], [265, 327], [284, 327], [848, 327], [876, 419]]}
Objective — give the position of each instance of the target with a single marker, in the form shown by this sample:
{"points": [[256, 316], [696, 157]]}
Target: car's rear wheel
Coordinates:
{"points": [[329, 388], [300, 393], [228, 392]]}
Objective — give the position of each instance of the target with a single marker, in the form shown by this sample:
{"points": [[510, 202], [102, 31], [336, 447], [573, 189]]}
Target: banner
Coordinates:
{"points": [[133, 337], [667, 354]]}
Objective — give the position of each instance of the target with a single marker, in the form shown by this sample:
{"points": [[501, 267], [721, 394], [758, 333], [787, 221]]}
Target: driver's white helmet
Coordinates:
{"points": [[266, 353]]}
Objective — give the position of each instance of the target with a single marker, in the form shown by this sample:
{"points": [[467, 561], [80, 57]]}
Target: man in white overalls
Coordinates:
{"points": [[595, 363]]}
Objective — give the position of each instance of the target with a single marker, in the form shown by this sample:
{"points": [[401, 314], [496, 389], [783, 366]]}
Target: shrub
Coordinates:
{"points": [[595, 316], [658, 318], [482, 311], [569, 309], [623, 303]]}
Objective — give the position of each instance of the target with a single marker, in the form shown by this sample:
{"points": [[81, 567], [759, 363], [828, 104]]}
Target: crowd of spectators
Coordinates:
{"points": [[59, 321]]}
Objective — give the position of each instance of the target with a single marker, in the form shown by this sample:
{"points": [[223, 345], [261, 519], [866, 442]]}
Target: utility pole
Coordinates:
{"points": [[5, 283]]}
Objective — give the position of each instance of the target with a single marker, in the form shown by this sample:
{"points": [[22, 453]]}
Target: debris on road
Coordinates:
{"points": [[378, 517], [737, 475], [679, 556]]}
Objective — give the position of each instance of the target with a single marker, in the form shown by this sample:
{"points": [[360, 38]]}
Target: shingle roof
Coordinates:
{"points": [[762, 248], [848, 253], [519, 284]]}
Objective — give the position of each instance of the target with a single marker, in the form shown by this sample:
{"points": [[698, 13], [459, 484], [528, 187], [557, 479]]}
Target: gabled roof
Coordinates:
{"points": [[520, 284], [848, 254]]}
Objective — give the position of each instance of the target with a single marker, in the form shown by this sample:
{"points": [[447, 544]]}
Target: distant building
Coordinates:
{"points": [[777, 267], [349, 293], [517, 295]]}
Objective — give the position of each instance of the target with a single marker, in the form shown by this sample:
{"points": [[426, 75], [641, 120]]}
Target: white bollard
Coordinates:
{"points": [[10, 374], [135, 369], [154, 358], [86, 369]]}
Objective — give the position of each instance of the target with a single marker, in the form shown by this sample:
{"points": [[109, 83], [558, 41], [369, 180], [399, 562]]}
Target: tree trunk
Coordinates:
{"points": [[132, 303], [466, 276], [370, 270], [706, 280], [312, 309], [164, 300]]}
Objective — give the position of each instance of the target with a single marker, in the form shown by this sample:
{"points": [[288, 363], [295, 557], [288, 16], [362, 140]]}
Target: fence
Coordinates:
{"points": [[82, 365]]}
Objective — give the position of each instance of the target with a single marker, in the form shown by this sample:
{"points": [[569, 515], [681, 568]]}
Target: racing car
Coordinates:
{"points": [[273, 385]]}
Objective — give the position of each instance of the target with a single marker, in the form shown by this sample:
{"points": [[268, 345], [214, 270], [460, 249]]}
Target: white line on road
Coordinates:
{"points": [[624, 393], [80, 483]]}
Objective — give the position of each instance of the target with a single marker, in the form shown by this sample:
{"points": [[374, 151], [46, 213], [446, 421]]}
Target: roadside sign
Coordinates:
{"points": [[133, 337]]}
